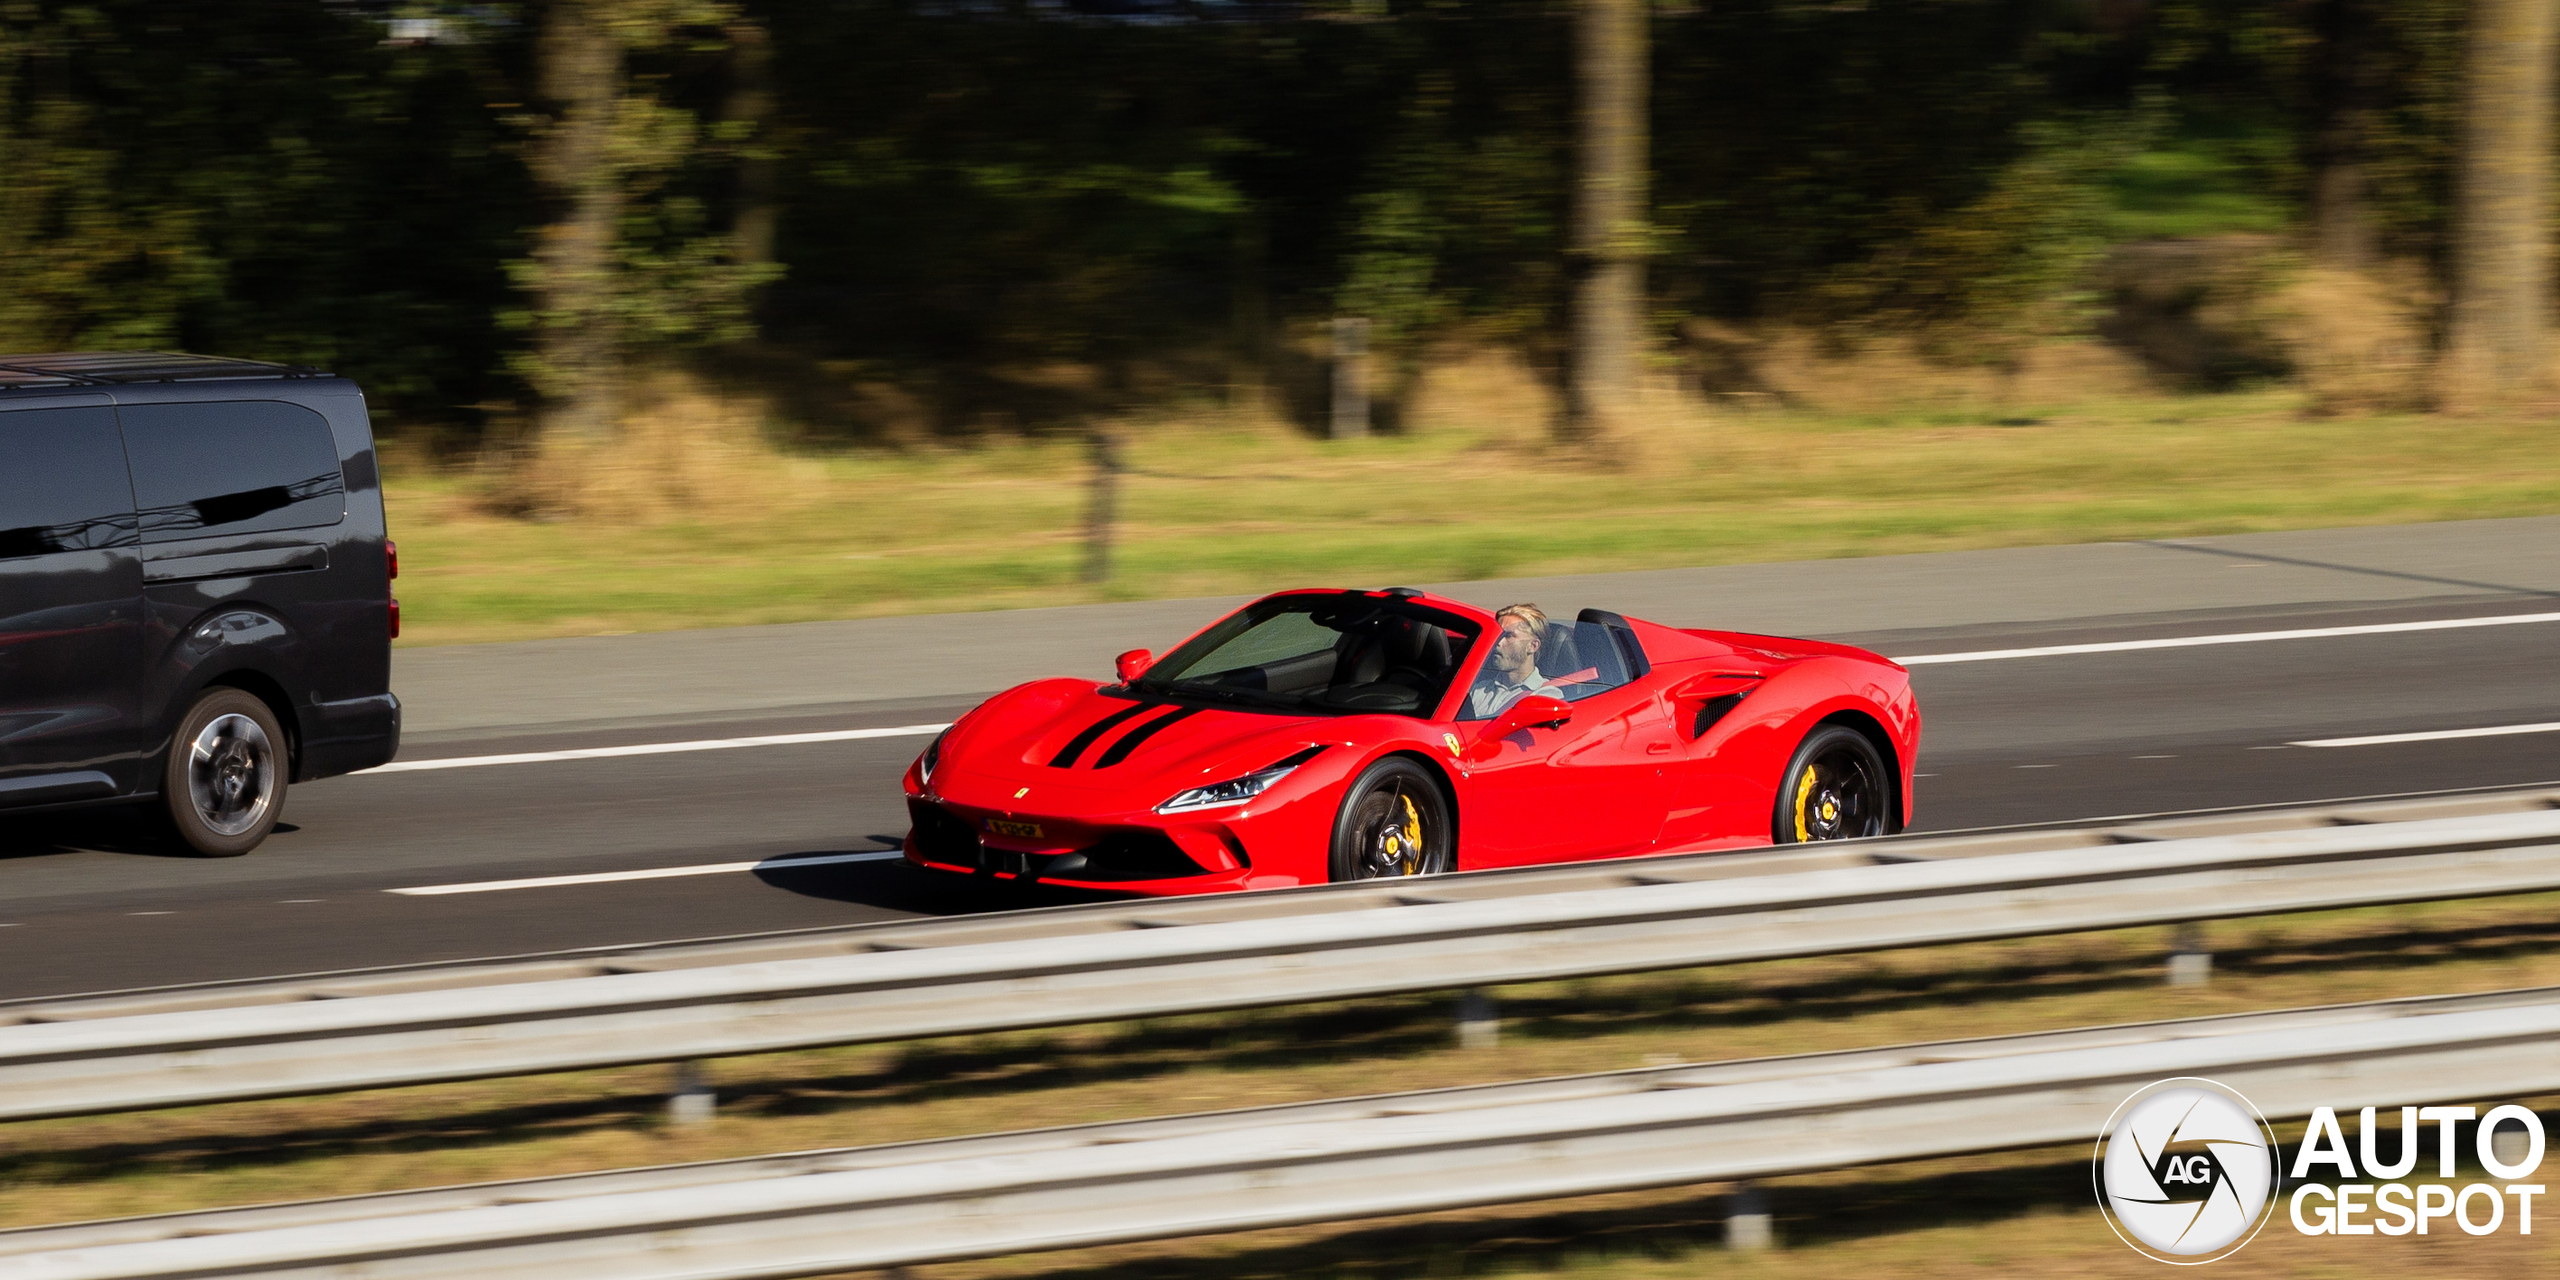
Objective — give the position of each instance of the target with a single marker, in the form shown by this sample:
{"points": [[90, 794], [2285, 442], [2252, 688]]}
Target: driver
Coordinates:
{"points": [[1512, 672]]}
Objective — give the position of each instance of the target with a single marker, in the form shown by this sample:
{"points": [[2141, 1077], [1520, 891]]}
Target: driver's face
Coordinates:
{"points": [[1516, 646]]}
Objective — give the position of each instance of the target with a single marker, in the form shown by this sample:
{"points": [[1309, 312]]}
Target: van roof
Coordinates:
{"points": [[112, 368]]}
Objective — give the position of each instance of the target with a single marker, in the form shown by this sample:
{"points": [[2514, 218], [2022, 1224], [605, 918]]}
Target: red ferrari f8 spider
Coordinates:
{"points": [[1343, 735]]}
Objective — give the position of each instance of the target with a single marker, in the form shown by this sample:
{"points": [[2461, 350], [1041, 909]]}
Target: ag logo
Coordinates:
{"points": [[2186, 1171]]}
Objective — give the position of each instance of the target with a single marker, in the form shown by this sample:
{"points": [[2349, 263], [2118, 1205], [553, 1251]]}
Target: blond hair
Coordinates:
{"points": [[1528, 613]]}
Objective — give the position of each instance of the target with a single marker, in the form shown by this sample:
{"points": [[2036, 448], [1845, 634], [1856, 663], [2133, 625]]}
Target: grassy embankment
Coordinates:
{"points": [[2019, 1213], [698, 534]]}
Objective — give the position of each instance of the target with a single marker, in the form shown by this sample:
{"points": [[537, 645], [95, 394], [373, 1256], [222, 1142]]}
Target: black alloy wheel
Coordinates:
{"points": [[1835, 788], [1394, 822], [223, 785]]}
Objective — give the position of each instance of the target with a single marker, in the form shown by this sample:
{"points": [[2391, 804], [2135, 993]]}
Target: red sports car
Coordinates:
{"points": [[1342, 735]]}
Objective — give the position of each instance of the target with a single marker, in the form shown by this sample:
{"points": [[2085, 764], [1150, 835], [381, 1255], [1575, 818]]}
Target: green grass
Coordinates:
{"points": [[1227, 507]]}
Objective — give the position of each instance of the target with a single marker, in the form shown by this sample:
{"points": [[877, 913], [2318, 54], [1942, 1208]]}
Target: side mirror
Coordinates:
{"points": [[1537, 711], [1133, 664]]}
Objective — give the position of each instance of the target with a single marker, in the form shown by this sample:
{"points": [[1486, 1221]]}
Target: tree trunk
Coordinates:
{"points": [[1609, 221], [2345, 91], [575, 342], [2502, 253], [751, 104]]}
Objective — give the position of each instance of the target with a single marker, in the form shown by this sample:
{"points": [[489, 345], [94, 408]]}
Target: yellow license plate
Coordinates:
{"points": [[1018, 830]]}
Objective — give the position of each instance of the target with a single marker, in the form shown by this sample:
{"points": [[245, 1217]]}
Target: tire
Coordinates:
{"points": [[1836, 788], [223, 786], [1394, 821]]}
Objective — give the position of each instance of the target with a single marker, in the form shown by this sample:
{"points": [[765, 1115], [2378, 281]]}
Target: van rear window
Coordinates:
{"points": [[237, 466], [62, 482]]}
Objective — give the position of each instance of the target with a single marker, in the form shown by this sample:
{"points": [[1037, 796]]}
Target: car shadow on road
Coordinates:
{"points": [[893, 885], [123, 828]]}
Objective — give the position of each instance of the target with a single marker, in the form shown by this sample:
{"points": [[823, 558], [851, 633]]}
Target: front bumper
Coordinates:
{"points": [[1127, 856]]}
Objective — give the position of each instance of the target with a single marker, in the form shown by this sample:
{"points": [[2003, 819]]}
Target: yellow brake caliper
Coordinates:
{"points": [[1804, 795], [1412, 860]]}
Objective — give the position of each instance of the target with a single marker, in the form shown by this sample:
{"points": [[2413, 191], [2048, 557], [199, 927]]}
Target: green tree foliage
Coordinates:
{"points": [[262, 177], [2252, 68], [1027, 210], [632, 262]]}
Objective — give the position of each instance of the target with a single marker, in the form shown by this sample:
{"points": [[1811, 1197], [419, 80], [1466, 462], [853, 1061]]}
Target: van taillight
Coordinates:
{"points": [[391, 556], [395, 617]]}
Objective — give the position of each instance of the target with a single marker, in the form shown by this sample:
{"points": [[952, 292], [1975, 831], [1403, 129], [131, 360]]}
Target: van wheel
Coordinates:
{"points": [[224, 783]]}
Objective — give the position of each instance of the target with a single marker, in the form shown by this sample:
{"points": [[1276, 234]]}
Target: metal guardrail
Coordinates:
{"points": [[816, 1212], [1439, 941]]}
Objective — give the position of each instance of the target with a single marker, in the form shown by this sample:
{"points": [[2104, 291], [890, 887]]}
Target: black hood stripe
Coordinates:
{"points": [[1131, 740], [1066, 758]]}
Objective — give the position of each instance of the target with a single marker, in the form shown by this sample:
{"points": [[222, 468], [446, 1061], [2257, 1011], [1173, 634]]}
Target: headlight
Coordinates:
{"points": [[1236, 790], [932, 756]]}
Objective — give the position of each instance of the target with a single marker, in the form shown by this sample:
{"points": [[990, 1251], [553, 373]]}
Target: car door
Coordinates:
{"points": [[71, 723], [1720, 788], [1595, 787]]}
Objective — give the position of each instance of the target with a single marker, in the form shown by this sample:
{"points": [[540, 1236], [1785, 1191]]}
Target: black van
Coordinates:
{"points": [[195, 588]]}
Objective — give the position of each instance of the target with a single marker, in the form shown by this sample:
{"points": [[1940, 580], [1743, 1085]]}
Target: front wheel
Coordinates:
{"points": [[224, 784], [1394, 822], [1835, 788]]}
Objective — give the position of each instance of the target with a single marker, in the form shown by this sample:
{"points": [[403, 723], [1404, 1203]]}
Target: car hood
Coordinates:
{"points": [[1071, 732]]}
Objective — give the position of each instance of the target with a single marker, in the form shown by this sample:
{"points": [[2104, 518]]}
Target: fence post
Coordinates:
{"points": [[692, 1101], [1479, 1020], [2190, 965], [1746, 1218], [1350, 377], [1101, 500]]}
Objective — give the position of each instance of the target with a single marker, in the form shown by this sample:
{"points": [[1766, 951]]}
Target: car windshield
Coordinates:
{"points": [[1594, 653], [1342, 654]]}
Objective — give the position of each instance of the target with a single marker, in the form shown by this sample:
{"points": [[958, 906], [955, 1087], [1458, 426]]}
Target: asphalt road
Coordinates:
{"points": [[86, 904]]}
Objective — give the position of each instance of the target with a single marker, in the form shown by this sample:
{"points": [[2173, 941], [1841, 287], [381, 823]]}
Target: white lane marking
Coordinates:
{"points": [[2437, 735], [658, 748], [2236, 637], [653, 873]]}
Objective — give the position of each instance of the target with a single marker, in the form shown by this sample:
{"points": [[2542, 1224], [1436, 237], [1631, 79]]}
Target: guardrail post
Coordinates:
{"points": [[1746, 1218], [1479, 1020], [692, 1101], [2190, 965]]}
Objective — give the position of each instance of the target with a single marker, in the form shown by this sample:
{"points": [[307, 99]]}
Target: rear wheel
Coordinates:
{"points": [[1394, 822], [1835, 788], [223, 786]]}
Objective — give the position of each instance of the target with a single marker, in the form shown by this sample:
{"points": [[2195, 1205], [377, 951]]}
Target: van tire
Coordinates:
{"points": [[222, 787]]}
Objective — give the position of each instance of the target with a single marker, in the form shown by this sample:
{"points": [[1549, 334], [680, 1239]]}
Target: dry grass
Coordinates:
{"points": [[2000, 1211], [693, 522], [2023, 1214], [2358, 340]]}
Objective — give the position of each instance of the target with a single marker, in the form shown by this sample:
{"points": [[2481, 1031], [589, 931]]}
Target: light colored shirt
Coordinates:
{"points": [[1496, 691]]}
